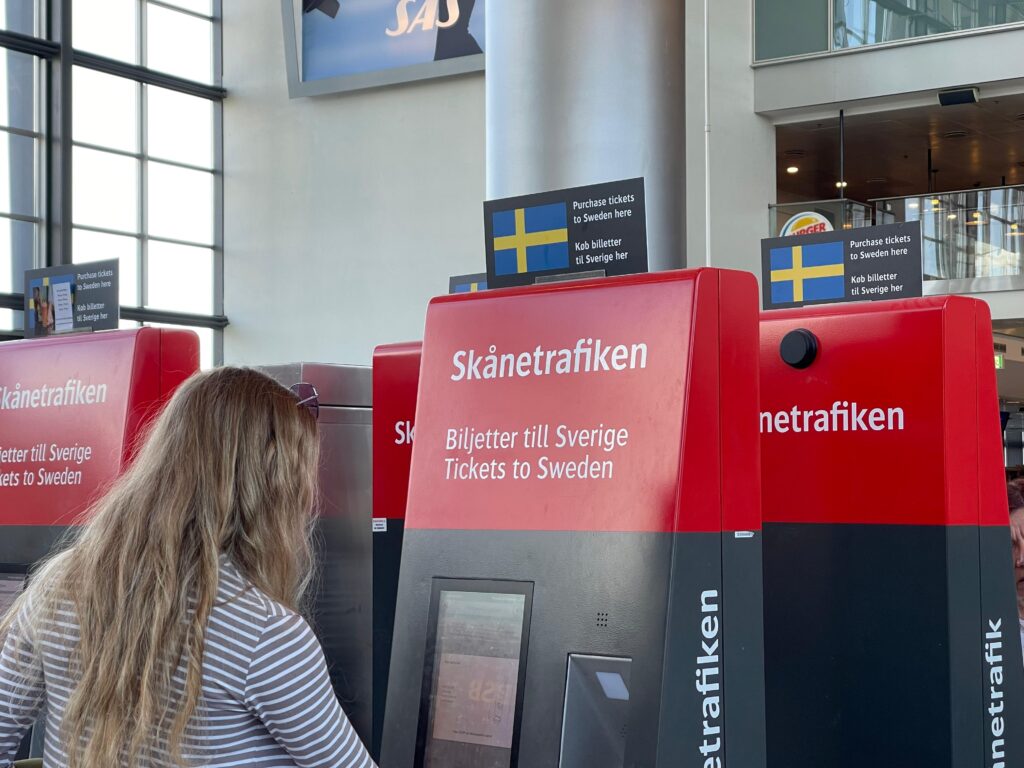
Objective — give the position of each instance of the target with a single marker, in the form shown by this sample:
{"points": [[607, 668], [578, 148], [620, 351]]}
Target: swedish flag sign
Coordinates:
{"points": [[467, 283], [532, 239], [802, 273], [868, 263], [598, 230]]}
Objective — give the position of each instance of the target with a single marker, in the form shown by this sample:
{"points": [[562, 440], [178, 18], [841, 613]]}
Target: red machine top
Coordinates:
{"points": [[70, 411], [895, 422], [396, 374], [622, 404]]}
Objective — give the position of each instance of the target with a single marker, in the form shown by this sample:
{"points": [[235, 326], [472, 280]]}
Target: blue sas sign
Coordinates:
{"points": [[350, 44]]}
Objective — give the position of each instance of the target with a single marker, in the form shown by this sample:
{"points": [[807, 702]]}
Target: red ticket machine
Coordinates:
{"points": [[71, 412], [396, 374], [891, 634], [71, 409], [580, 580]]}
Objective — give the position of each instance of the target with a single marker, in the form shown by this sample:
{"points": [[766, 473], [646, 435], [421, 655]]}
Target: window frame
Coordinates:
{"points": [[57, 56]]}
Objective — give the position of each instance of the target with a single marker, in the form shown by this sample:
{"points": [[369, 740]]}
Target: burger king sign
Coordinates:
{"points": [[806, 223]]}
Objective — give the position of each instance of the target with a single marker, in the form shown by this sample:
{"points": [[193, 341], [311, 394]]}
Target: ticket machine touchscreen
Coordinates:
{"points": [[475, 665]]}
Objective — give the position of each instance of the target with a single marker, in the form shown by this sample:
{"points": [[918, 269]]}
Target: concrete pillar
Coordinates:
{"points": [[587, 91]]}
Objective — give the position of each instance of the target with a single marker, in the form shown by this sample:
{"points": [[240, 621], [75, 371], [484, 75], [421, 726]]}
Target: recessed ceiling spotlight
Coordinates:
{"points": [[792, 169], [841, 185]]}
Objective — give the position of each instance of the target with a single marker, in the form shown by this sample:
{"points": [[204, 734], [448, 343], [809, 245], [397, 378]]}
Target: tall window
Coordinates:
{"points": [[141, 176]]}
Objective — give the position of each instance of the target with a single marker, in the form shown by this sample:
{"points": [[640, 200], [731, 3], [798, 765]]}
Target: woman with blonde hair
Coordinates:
{"points": [[168, 633]]}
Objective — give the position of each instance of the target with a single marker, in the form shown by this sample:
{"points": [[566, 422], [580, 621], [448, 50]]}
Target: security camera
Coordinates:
{"points": [[957, 96]]}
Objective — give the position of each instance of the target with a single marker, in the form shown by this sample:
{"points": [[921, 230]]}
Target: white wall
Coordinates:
{"points": [[897, 76], [343, 214], [742, 142]]}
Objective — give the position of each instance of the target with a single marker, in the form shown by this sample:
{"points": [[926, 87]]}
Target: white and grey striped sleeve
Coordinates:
{"points": [[288, 688], [21, 689]]}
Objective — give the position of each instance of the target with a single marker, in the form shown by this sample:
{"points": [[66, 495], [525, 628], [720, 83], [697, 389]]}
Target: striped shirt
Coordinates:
{"points": [[267, 700]]}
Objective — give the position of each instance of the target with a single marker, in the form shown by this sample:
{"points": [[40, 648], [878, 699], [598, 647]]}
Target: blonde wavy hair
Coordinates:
{"points": [[228, 467]]}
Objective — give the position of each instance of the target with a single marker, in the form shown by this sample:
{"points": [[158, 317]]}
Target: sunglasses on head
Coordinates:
{"points": [[308, 397]]}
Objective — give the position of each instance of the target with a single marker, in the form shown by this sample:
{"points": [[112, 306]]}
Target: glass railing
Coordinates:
{"points": [[869, 22], [785, 28], [977, 233], [802, 218]]}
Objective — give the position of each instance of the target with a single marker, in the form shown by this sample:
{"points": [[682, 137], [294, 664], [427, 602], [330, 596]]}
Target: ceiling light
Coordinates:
{"points": [[841, 185], [792, 169], [976, 214], [950, 215], [914, 205]]}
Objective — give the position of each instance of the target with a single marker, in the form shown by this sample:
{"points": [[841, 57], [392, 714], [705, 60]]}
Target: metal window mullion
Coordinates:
{"points": [[147, 76], [138, 155], [218, 227], [168, 317], [143, 205], [40, 75], [143, 244], [185, 11], [21, 217], [218, 181], [140, 33], [218, 42], [106, 230], [136, 235], [33, 46], [177, 241], [40, 93], [15, 301], [24, 132], [58, 153]]}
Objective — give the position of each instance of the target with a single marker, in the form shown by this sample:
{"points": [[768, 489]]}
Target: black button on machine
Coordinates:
{"points": [[799, 348]]}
